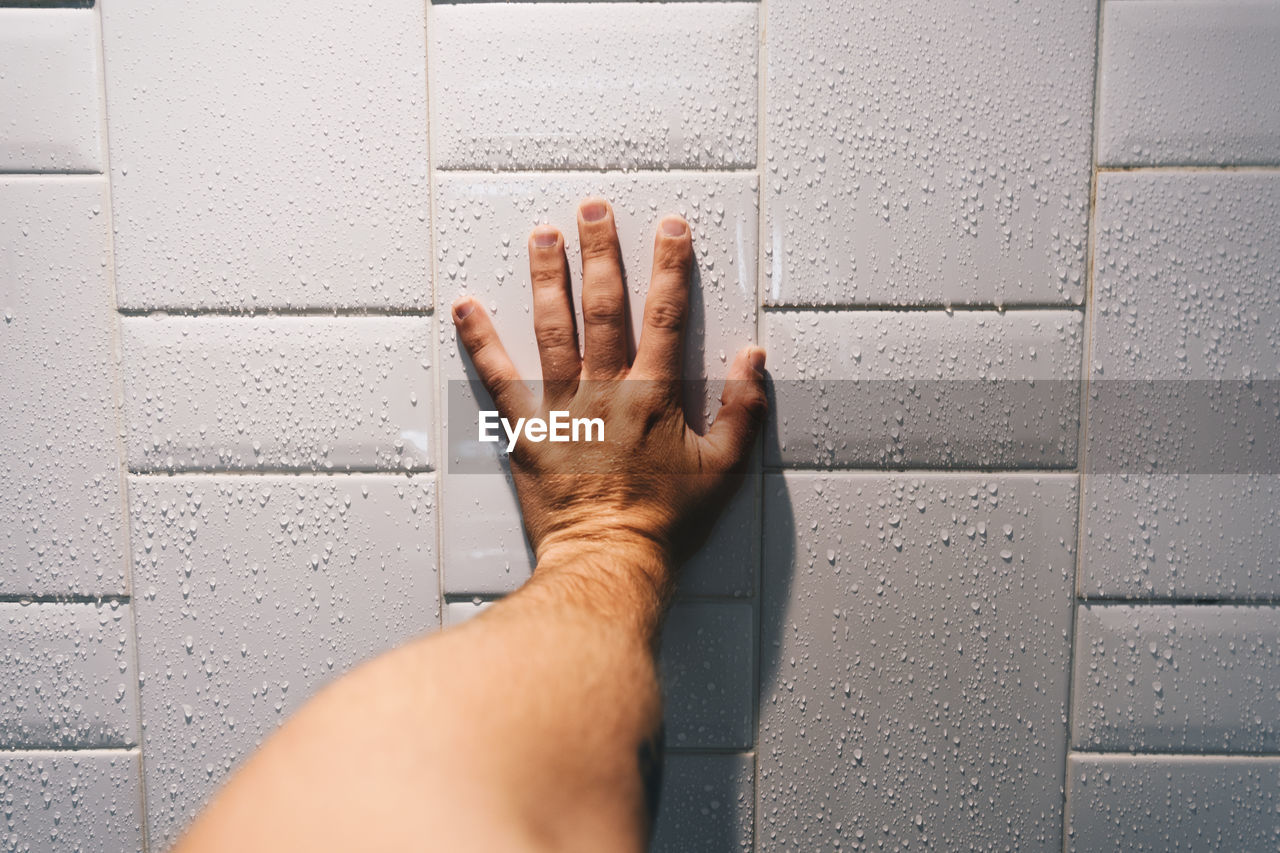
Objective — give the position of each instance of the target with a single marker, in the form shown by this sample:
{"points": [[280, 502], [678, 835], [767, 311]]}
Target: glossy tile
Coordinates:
{"points": [[50, 91], [1189, 83], [60, 489], [1172, 802], [914, 643], [922, 156], [281, 393], [898, 389], [68, 676], [484, 545], [707, 803], [69, 802], [269, 156], [593, 86], [707, 665], [1176, 678], [251, 593]]}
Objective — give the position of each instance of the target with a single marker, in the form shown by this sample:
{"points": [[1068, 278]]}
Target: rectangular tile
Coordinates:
{"points": [[1172, 802], [1181, 456], [69, 802], [914, 642], [483, 222], [1189, 83], [50, 91], [707, 803], [60, 490], [707, 665], [295, 393], [252, 592], [1176, 678], [274, 157], [631, 85], [921, 158], [67, 671], [895, 389]]}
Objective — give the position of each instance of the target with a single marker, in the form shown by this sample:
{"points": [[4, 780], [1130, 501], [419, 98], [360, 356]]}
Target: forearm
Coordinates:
{"points": [[534, 721]]}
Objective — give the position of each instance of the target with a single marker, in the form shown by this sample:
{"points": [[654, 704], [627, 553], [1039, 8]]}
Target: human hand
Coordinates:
{"points": [[653, 482]]}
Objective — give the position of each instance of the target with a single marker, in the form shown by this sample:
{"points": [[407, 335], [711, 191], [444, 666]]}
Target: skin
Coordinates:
{"points": [[537, 724]]}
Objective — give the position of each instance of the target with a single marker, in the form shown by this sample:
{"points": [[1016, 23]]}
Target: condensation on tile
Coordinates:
{"points": [[914, 644], [707, 665], [60, 491], [1187, 276], [1205, 536], [892, 389], [1187, 83], [483, 224], [296, 393], [50, 91], [251, 593], [927, 155], [1184, 678], [707, 803], [594, 86], [1173, 802], [269, 156], [68, 677], [70, 802]]}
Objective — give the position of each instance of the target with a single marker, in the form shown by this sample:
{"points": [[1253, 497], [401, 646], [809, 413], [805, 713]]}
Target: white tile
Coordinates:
{"points": [[1184, 678], [67, 671], [593, 86], [707, 665], [914, 643], [269, 156], [60, 489], [50, 91], [706, 805], [252, 592], [1172, 802], [457, 612], [890, 389], [1187, 275], [916, 156], [296, 393], [1180, 459], [1189, 83], [483, 224], [71, 802]]}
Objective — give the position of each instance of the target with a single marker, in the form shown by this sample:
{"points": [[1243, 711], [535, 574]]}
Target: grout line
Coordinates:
{"points": [[1083, 411], [353, 471], [438, 380], [708, 750], [54, 752], [757, 616], [61, 598], [562, 173], [1262, 602], [1224, 167], [893, 472], [272, 313], [121, 424], [868, 307], [28, 175], [1183, 756]]}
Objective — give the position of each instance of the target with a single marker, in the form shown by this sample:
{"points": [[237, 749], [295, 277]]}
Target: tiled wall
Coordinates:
{"points": [[946, 612]]}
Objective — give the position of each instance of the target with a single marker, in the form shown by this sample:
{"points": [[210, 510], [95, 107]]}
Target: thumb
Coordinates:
{"points": [[743, 405]]}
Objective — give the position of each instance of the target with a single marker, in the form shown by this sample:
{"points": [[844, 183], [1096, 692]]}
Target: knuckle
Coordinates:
{"points": [[675, 255], [666, 315], [602, 312], [555, 336], [547, 275], [599, 248]]}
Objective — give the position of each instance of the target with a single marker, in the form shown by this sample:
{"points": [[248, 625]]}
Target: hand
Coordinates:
{"points": [[653, 482]]}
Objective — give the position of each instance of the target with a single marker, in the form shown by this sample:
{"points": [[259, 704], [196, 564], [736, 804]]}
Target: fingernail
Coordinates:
{"points": [[673, 226], [462, 308], [544, 236], [594, 210], [756, 359]]}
